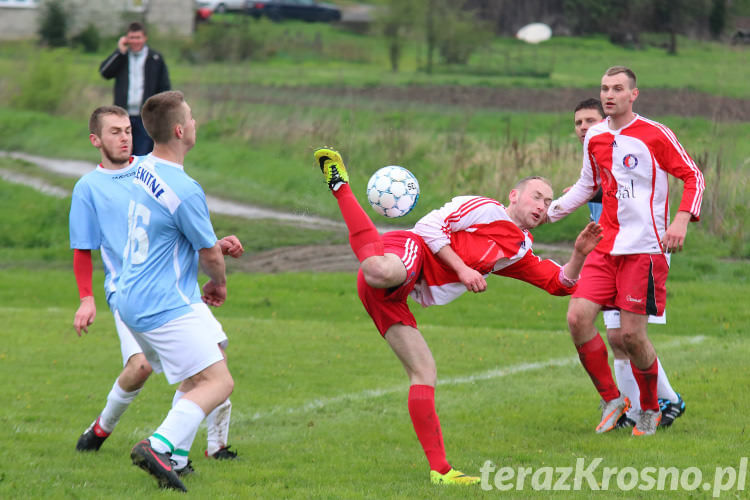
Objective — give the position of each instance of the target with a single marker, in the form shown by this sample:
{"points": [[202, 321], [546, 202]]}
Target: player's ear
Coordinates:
{"points": [[95, 141], [513, 196], [634, 94], [178, 131]]}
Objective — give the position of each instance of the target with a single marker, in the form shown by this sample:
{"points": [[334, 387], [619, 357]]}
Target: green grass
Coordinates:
{"points": [[320, 401], [307, 427]]}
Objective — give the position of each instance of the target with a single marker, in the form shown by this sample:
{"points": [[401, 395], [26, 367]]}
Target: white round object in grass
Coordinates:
{"points": [[393, 191], [534, 33]]}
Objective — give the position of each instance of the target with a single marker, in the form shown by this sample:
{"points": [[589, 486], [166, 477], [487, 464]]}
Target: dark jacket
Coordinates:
{"points": [[155, 74]]}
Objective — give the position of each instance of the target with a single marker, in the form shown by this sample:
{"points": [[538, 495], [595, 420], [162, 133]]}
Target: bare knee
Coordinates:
{"points": [[581, 328], [379, 272], [229, 385], [614, 337], [136, 372]]}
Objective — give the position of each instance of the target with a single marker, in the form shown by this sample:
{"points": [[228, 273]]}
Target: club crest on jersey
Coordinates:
{"points": [[630, 161]]}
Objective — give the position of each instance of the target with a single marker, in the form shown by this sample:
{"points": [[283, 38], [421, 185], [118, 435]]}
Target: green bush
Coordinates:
{"points": [[89, 39], [53, 24], [220, 42], [459, 36], [47, 84]]}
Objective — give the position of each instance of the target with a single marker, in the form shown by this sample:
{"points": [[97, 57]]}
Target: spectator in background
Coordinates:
{"points": [[139, 73]]}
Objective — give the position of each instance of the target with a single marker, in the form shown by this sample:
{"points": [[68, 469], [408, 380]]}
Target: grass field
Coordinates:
{"points": [[320, 402], [319, 408]]}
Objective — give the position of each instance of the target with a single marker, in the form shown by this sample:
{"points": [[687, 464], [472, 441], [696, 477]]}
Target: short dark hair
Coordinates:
{"points": [[522, 183], [95, 122], [136, 26], [590, 103], [616, 70], [161, 112]]}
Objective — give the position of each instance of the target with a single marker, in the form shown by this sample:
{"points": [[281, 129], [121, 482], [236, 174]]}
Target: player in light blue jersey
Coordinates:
{"points": [[170, 234], [588, 113], [98, 220]]}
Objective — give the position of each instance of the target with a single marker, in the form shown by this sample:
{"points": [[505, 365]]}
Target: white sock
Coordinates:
{"points": [[663, 387], [117, 402], [177, 395], [218, 427], [179, 427], [627, 384]]}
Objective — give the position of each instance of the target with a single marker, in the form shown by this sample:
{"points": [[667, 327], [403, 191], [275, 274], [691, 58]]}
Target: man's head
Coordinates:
{"points": [[589, 112], [109, 132], [136, 37], [167, 117], [529, 200], [618, 91]]}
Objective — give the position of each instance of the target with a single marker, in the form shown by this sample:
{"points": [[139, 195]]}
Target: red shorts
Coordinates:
{"points": [[634, 283], [387, 306]]}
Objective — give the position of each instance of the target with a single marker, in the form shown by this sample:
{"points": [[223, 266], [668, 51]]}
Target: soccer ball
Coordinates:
{"points": [[393, 191]]}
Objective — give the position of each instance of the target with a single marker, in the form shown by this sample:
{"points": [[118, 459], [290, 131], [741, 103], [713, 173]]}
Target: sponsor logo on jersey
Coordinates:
{"points": [[622, 191], [149, 181], [614, 143], [630, 161], [123, 176]]}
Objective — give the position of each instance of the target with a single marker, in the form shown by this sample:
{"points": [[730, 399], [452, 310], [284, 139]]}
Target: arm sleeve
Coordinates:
{"points": [[193, 220], [83, 270], [111, 65], [582, 191], [673, 158], [545, 274], [459, 214], [164, 83]]}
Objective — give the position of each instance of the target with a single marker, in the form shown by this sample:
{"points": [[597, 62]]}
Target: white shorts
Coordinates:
{"points": [[128, 345], [612, 319], [184, 346]]}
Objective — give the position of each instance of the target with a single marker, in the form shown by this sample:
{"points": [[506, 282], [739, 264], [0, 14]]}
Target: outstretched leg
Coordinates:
{"points": [[363, 236]]}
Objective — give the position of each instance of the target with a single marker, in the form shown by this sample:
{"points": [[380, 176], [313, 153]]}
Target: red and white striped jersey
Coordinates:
{"points": [[480, 231], [631, 165]]}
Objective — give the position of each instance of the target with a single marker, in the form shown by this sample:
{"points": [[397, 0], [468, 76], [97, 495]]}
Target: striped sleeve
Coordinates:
{"points": [[673, 158], [459, 214]]}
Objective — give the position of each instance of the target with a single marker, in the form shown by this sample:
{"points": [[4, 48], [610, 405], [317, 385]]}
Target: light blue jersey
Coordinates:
{"points": [[596, 210], [99, 218], [168, 223]]}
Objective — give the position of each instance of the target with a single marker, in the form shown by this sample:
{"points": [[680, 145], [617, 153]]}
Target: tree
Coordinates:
{"points": [[398, 19], [717, 18], [53, 24]]}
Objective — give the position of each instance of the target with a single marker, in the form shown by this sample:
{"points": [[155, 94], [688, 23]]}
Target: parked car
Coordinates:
{"points": [[221, 6], [305, 10]]}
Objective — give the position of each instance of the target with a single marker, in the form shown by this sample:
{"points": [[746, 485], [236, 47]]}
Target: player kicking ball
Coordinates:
{"points": [[449, 251]]}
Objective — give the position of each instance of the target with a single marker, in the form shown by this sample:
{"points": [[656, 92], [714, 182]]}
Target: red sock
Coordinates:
{"points": [[427, 426], [647, 384], [594, 358], [363, 237]]}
